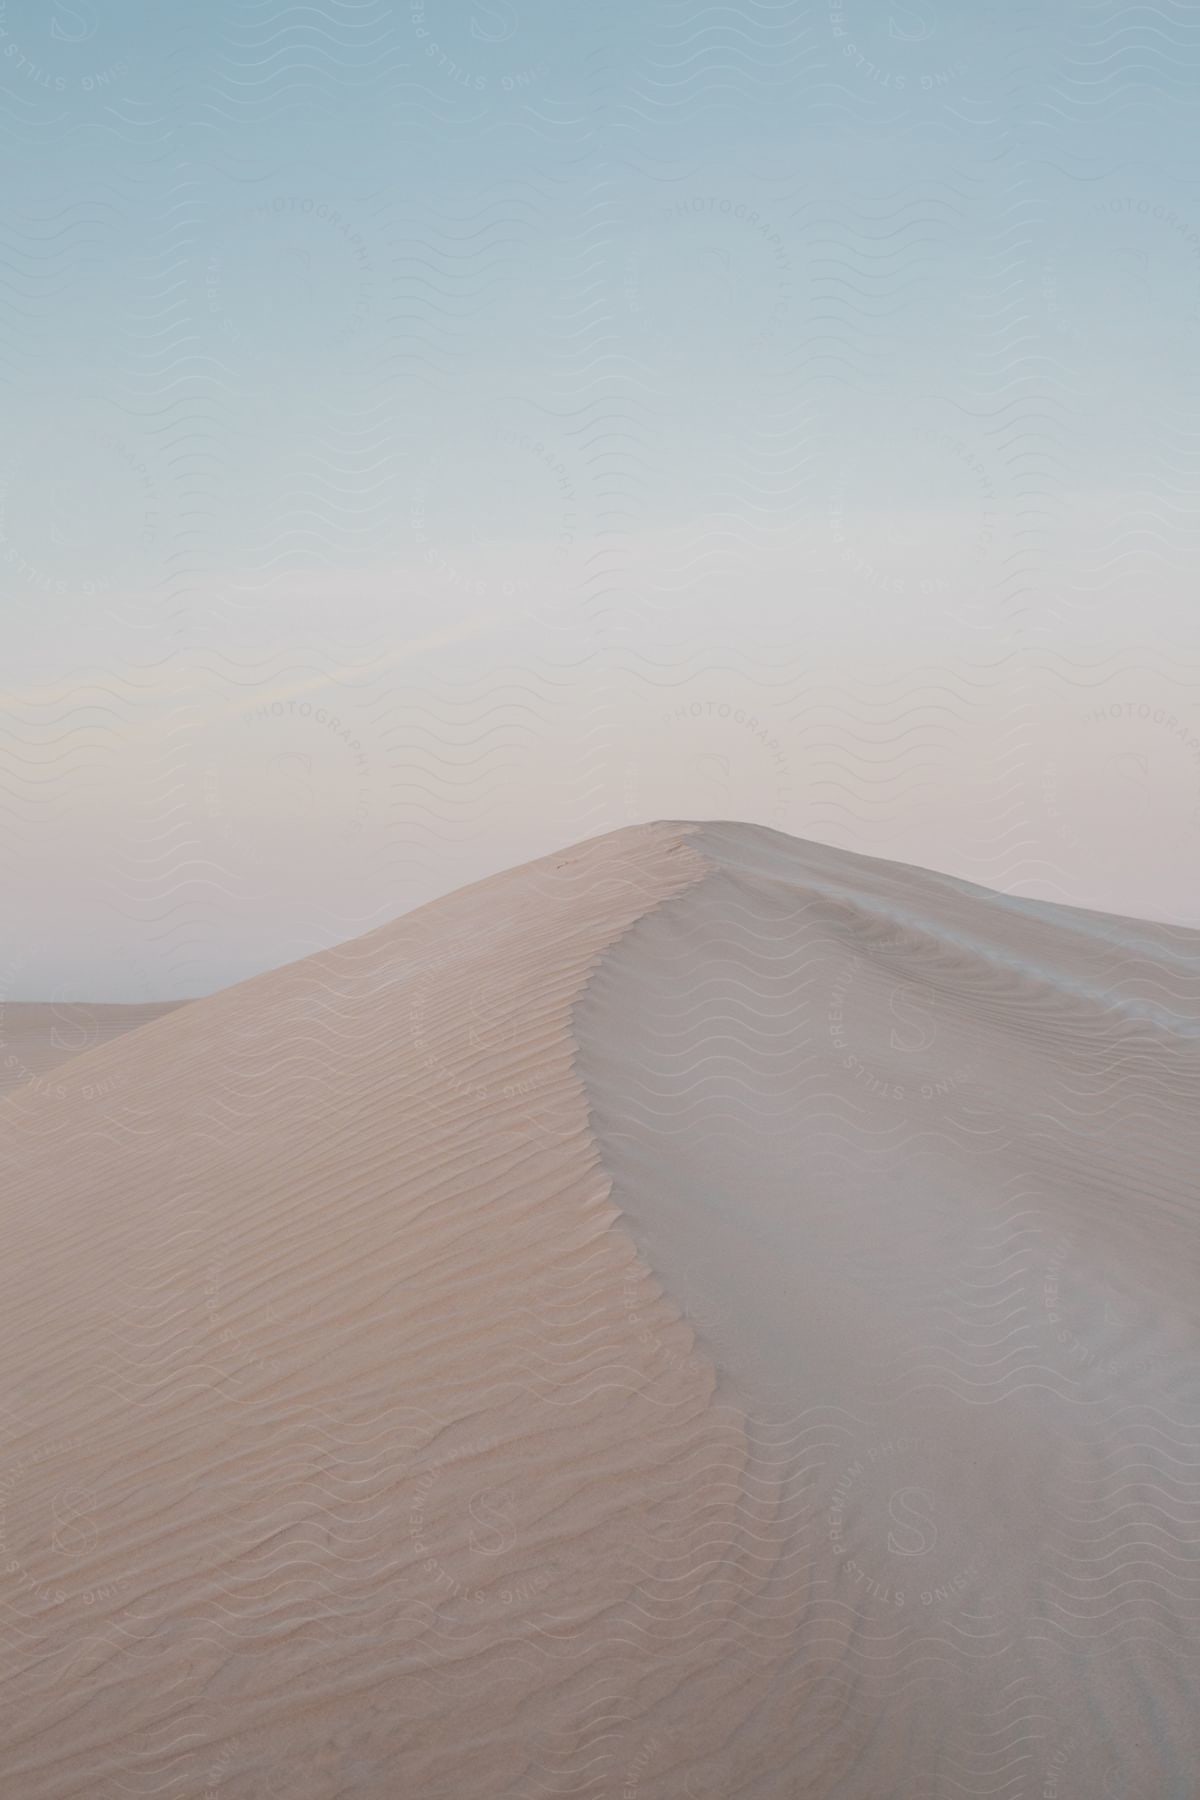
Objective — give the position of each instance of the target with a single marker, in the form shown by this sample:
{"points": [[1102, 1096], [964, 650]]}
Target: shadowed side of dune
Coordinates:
{"points": [[918, 1161]]}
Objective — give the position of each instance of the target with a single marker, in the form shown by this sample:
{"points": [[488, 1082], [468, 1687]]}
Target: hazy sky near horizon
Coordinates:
{"points": [[438, 433]]}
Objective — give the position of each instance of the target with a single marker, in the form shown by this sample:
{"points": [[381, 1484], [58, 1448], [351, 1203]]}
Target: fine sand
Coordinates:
{"points": [[700, 1316]]}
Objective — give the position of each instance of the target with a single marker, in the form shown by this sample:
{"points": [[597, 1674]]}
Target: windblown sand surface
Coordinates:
{"points": [[37, 1037], [699, 1316]]}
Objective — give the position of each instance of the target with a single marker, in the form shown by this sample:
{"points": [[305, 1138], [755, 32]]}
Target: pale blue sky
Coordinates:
{"points": [[515, 391]]}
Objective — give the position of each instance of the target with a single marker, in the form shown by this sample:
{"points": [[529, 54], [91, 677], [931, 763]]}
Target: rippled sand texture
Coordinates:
{"points": [[37, 1037], [347, 1448], [920, 1163], [349, 1445]]}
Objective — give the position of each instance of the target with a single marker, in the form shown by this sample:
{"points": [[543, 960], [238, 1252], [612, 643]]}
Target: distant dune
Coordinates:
{"points": [[699, 1316], [35, 1037]]}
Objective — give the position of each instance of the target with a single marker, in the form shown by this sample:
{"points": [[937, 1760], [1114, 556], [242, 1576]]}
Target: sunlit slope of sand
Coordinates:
{"points": [[519, 1355], [37, 1037], [348, 1448], [920, 1162]]}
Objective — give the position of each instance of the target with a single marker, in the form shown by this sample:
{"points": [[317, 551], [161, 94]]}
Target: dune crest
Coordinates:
{"points": [[618, 1332]]}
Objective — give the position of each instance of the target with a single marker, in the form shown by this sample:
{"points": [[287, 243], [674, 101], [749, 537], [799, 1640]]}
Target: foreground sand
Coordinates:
{"points": [[351, 1447]]}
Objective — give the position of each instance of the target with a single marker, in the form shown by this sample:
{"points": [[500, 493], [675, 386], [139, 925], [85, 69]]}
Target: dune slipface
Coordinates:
{"points": [[702, 1315]]}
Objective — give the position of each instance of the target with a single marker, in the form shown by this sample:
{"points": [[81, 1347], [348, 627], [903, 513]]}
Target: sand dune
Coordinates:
{"points": [[36, 1038], [701, 1315]]}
